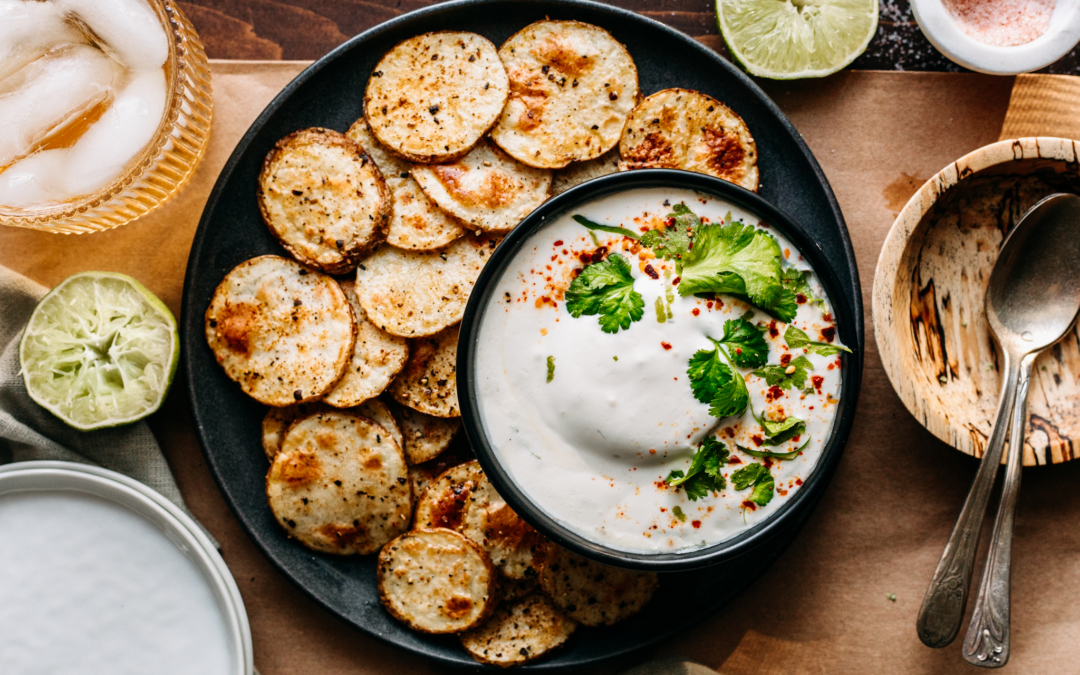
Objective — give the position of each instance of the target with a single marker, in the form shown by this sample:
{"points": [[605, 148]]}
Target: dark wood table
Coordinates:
{"points": [[307, 29]]}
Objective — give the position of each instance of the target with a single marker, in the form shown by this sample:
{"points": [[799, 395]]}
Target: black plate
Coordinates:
{"points": [[330, 94], [488, 283]]}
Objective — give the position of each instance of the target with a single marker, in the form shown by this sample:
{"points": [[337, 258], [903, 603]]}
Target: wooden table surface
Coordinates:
{"points": [[307, 29]]}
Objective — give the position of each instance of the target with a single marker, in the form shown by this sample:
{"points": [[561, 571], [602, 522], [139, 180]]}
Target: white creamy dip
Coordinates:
{"points": [[88, 587], [593, 446]]}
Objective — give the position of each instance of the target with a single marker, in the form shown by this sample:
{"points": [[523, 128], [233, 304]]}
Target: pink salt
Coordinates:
{"points": [[1004, 23]]}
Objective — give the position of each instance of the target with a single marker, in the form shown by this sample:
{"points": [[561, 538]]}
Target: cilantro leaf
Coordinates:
{"points": [[674, 240], [703, 475], [758, 476], [763, 490], [763, 454], [746, 342], [582, 220], [677, 512], [606, 288], [796, 281], [777, 375], [797, 339], [550, 368], [717, 383], [782, 431]]}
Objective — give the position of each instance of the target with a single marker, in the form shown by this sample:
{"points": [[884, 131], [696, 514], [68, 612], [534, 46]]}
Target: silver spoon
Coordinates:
{"points": [[1032, 300]]}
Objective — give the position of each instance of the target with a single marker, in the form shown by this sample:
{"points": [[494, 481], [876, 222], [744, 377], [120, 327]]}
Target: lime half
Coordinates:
{"points": [[99, 350], [789, 39]]}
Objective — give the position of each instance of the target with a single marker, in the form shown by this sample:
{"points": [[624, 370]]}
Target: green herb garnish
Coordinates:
{"points": [[582, 220], [796, 281], [777, 375], [758, 477], [551, 368], [677, 512], [703, 475], [607, 289], [673, 241], [746, 343], [763, 454], [717, 383], [797, 339], [777, 432]]}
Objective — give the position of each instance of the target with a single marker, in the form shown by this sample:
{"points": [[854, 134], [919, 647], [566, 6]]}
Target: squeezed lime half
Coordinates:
{"points": [[100, 350], [789, 39]]}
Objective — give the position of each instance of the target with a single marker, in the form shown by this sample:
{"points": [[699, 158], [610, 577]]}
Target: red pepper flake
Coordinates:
{"points": [[696, 524], [796, 438], [695, 311], [817, 381], [828, 334], [749, 505], [798, 481], [661, 485], [831, 366], [782, 492], [730, 431], [671, 222], [768, 462], [800, 298], [675, 281], [709, 304], [558, 242], [758, 440], [738, 351], [773, 330], [828, 317], [651, 272], [774, 393], [785, 359], [665, 345], [734, 460]]}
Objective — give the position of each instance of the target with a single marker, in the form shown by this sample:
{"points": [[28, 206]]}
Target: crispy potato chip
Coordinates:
{"points": [[683, 129], [428, 382], [579, 172], [487, 190], [415, 221], [433, 96], [592, 593], [516, 589], [377, 357], [378, 412], [283, 332], [277, 422], [519, 632], [443, 502], [418, 293], [426, 437], [339, 484], [572, 86], [436, 581], [324, 199], [514, 547]]}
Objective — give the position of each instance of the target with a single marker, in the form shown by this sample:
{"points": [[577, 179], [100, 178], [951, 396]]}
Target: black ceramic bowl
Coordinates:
{"points": [[803, 499]]}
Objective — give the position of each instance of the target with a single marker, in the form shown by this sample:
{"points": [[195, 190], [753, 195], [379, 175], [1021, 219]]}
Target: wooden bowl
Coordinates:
{"points": [[928, 313]]}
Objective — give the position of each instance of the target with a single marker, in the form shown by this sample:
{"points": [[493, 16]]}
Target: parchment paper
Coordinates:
{"points": [[823, 608]]}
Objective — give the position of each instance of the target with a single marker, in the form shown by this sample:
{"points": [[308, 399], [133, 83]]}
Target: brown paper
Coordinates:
{"points": [[1043, 105], [823, 607]]}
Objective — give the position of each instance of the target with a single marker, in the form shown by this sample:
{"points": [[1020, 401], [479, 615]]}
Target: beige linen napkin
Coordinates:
{"points": [[1043, 105], [29, 432]]}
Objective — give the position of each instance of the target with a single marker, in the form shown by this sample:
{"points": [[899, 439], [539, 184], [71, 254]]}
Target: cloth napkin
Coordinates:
{"points": [[29, 432], [1043, 105]]}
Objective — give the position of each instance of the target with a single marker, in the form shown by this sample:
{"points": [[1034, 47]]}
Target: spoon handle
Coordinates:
{"points": [[987, 641], [943, 606]]}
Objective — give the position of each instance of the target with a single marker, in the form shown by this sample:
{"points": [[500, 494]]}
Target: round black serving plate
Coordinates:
{"points": [[468, 394], [330, 94]]}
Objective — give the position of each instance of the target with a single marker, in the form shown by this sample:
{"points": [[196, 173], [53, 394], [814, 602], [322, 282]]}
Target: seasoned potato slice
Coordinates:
{"points": [[377, 357], [515, 548], [426, 437], [428, 382], [683, 129], [277, 421], [443, 502], [432, 97], [579, 172], [592, 593], [339, 484], [324, 199], [436, 581], [415, 221], [487, 190], [378, 412], [424, 474], [519, 632], [282, 331], [418, 293], [571, 87], [516, 589]]}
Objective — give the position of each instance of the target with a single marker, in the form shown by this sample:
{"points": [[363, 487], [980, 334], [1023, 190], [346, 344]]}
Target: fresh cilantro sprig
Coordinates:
{"points": [[764, 454], [797, 339], [703, 476], [582, 220], [746, 343], [717, 383], [777, 375], [758, 477], [606, 288], [796, 281], [674, 240], [777, 432]]}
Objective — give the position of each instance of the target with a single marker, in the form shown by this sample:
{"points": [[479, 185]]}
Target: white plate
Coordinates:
{"points": [[77, 589]]}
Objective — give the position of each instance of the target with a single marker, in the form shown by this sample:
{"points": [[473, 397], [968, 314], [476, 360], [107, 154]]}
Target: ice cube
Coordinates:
{"points": [[33, 180], [49, 93], [129, 28], [29, 29]]}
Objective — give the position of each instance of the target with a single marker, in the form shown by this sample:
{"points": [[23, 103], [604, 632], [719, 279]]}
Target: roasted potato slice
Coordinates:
{"points": [[418, 293], [377, 357], [324, 199], [511, 590], [572, 86], [579, 172], [436, 581], [518, 632], [443, 502], [415, 221], [340, 484], [277, 422], [514, 547], [486, 189], [428, 383], [378, 412], [592, 593], [283, 332], [426, 436], [433, 96], [683, 129]]}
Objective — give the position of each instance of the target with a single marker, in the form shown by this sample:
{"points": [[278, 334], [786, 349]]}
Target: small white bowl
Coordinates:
{"points": [[945, 33]]}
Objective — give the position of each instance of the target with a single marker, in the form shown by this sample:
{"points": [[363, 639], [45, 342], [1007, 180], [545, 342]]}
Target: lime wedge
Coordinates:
{"points": [[100, 350], [789, 39]]}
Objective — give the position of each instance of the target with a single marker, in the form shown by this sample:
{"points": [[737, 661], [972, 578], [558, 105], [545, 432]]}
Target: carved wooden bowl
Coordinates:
{"points": [[928, 313]]}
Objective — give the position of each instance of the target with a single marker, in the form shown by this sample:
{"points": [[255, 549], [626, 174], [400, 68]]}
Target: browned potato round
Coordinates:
{"points": [[519, 632], [514, 547], [436, 581], [442, 503], [277, 422], [428, 382], [592, 593], [324, 199], [425, 437], [579, 172]]}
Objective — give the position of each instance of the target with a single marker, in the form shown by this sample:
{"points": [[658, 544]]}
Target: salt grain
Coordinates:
{"points": [[1003, 23]]}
